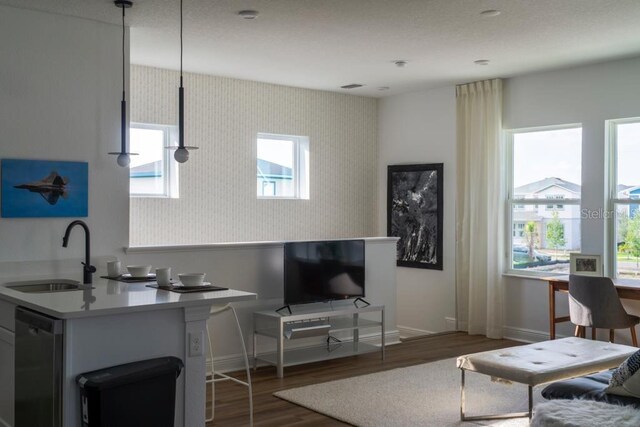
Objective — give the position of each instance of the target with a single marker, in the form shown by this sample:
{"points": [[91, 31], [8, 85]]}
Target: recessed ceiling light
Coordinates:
{"points": [[383, 88], [248, 14], [401, 63], [490, 13], [481, 62], [351, 86]]}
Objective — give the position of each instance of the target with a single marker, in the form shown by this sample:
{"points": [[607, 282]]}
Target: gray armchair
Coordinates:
{"points": [[594, 303]]}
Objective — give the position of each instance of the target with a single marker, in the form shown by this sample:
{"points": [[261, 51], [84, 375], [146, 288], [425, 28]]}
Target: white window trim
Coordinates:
{"points": [[172, 181], [611, 163], [300, 148], [511, 200]]}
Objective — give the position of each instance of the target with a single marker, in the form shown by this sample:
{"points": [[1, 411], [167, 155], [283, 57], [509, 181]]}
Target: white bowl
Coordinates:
{"points": [[139, 270], [191, 279]]}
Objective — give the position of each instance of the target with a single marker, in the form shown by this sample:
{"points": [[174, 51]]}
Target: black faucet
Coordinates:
{"points": [[88, 268]]}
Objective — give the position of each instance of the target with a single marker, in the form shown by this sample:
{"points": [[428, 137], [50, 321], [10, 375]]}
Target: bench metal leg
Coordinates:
{"points": [[464, 417]]}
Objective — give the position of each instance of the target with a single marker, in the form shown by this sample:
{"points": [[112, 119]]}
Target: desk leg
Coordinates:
{"points": [[552, 312]]}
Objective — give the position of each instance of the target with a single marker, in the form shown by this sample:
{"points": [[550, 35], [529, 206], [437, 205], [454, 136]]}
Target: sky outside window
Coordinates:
{"points": [[628, 135], [546, 154], [277, 151], [148, 143]]}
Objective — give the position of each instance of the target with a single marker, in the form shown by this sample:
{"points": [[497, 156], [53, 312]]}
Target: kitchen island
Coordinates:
{"points": [[116, 323]]}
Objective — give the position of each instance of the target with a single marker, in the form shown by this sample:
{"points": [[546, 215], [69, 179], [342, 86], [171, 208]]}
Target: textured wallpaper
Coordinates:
{"points": [[218, 200]]}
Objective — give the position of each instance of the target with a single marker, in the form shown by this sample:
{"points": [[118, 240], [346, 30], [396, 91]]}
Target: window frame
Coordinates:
{"points": [[611, 249], [171, 178], [300, 169], [511, 202]]}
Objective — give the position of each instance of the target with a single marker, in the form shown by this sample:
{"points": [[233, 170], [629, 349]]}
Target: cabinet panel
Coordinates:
{"points": [[7, 311], [7, 342]]}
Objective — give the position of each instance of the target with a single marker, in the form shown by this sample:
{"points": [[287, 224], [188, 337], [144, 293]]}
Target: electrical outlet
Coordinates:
{"points": [[195, 344]]}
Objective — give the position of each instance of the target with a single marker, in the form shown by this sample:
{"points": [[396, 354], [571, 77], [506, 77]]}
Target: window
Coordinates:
{"points": [[554, 197], [282, 166], [518, 229], [624, 191], [544, 167], [152, 173]]}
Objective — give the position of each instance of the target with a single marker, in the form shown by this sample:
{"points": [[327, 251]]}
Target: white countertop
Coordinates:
{"points": [[112, 297]]}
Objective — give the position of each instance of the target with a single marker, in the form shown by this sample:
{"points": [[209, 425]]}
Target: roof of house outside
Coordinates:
{"points": [[537, 186], [629, 189], [147, 170], [272, 170]]}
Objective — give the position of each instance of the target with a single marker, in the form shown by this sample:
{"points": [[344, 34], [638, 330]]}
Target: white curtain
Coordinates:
{"points": [[480, 208]]}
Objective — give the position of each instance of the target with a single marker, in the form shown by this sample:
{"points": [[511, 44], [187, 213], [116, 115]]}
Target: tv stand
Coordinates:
{"points": [[288, 307], [355, 302], [318, 322]]}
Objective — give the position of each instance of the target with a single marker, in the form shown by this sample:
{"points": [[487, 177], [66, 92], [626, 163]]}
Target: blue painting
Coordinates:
{"points": [[42, 188]]}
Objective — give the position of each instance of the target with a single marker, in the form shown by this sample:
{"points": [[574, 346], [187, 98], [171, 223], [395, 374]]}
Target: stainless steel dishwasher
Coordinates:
{"points": [[38, 366]]}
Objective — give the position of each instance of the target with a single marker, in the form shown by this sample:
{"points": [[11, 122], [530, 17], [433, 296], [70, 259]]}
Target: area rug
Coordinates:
{"points": [[421, 395]]}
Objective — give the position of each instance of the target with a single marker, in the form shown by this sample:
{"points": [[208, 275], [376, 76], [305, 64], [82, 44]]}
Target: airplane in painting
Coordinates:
{"points": [[50, 188]]}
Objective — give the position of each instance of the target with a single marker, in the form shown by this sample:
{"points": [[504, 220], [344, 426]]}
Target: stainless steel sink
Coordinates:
{"points": [[46, 286]]}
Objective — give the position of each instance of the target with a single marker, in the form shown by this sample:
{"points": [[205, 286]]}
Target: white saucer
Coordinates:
{"points": [[180, 284], [129, 276]]}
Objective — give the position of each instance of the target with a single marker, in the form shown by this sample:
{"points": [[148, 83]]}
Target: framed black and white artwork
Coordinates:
{"points": [[414, 213]]}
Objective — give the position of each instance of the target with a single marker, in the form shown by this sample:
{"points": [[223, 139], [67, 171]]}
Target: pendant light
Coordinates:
{"points": [[182, 152], [123, 157]]}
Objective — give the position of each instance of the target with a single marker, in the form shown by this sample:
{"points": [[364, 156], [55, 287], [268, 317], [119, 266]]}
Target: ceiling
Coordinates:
{"points": [[324, 44]]}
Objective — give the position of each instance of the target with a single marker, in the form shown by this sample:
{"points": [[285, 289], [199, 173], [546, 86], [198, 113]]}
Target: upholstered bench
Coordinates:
{"points": [[540, 363]]}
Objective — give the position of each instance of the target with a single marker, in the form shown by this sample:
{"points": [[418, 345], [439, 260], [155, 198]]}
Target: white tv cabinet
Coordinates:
{"points": [[283, 327]]}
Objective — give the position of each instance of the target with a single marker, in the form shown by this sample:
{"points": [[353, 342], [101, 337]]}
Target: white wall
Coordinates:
{"points": [[218, 201], [420, 128], [60, 90], [259, 268], [589, 95]]}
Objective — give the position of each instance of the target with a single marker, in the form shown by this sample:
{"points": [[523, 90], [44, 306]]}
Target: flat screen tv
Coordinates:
{"points": [[323, 271]]}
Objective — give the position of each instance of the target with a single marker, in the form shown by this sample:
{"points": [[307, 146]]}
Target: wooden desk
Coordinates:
{"points": [[627, 289]]}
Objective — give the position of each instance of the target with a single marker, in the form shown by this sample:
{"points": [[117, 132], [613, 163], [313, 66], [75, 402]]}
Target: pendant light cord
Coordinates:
{"points": [[123, 59], [181, 43]]}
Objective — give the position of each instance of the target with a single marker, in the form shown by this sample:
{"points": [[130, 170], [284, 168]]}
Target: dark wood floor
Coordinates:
{"points": [[232, 408]]}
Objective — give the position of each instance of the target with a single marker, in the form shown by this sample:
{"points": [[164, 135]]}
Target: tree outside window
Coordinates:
{"points": [[555, 233]]}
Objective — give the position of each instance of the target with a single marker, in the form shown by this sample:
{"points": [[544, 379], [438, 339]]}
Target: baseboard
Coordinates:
{"points": [[510, 332], [235, 362], [526, 335], [408, 332], [452, 326]]}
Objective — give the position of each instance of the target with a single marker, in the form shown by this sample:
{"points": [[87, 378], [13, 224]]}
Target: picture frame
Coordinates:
{"points": [[415, 213], [44, 188], [585, 265]]}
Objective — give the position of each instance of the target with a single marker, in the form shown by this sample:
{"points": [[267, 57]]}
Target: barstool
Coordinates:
{"points": [[214, 377]]}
